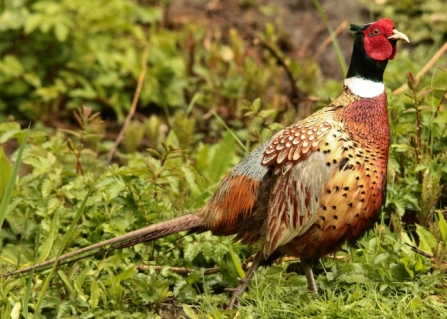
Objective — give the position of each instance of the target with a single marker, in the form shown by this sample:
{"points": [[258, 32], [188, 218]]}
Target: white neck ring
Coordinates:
{"points": [[364, 88]]}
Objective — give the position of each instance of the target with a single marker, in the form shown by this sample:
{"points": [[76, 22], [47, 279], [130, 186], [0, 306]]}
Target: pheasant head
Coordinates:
{"points": [[374, 44]]}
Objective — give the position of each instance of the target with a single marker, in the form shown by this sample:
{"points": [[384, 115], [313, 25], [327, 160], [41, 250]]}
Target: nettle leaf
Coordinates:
{"points": [[185, 291], [46, 187], [113, 186], [191, 250]]}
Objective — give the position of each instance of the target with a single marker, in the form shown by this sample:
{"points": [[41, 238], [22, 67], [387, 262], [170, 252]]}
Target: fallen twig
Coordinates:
{"points": [[179, 270], [422, 252]]}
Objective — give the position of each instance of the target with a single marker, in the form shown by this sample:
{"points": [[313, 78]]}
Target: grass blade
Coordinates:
{"points": [[338, 51], [15, 172], [30, 278], [64, 243]]}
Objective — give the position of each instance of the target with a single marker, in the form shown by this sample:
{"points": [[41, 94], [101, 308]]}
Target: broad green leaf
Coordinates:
{"points": [[354, 278], [381, 257], [95, 291], [236, 262], [80, 291], [13, 175], [220, 161], [68, 283], [47, 245], [5, 172], [442, 225], [9, 135], [11, 66], [15, 313], [9, 254], [61, 31], [9, 126], [426, 239], [256, 104], [189, 312], [274, 270], [33, 22], [65, 240]]}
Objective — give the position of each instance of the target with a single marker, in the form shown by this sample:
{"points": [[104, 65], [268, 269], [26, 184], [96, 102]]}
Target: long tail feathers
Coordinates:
{"points": [[152, 232]]}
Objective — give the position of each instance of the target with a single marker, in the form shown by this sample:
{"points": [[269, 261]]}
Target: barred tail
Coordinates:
{"points": [[187, 222]]}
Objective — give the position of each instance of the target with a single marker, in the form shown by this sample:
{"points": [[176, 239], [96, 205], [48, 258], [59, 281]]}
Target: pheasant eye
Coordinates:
{"points": [[376, 31]]}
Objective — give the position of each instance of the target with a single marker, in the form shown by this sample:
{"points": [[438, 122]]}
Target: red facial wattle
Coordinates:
{"points": [[376, 42]]}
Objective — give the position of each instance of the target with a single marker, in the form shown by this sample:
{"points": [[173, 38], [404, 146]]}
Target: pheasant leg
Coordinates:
{"points": [[311, 285], [237, 292]]}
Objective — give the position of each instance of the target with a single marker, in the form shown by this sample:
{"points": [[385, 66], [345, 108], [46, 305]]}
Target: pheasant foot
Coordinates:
{"points": [[237, 292]]}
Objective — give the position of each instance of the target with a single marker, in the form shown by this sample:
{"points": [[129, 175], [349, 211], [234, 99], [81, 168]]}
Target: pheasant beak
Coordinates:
{"points": [[399, 36]]}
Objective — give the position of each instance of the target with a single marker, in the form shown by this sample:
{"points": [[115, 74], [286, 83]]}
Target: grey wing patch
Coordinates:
{"points": [[251, 165], [295, 200]]}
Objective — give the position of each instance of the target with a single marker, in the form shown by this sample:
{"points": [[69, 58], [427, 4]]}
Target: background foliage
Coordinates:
{"points": [[211, 93]]}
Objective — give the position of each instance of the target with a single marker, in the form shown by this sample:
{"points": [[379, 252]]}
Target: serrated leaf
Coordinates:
{"points": [[191, 251]]}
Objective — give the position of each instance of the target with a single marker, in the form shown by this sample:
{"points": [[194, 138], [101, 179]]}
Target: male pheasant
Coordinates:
{"points": [[314, 185]]}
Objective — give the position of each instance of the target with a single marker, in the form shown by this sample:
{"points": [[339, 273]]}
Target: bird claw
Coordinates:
{"points": [[236, 293], [232, 290]]}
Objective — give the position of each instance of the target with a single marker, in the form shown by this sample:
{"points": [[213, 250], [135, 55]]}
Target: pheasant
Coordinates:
{"points": [[311, 187]]}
